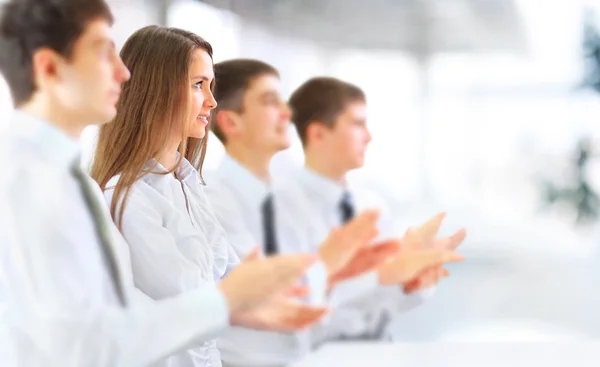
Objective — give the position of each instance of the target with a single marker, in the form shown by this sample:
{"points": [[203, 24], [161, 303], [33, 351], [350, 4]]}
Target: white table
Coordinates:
{"points": [[576, 354]]}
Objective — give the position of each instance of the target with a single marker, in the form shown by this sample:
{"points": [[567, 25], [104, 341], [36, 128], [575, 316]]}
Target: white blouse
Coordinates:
{"points": [[176, 243]]}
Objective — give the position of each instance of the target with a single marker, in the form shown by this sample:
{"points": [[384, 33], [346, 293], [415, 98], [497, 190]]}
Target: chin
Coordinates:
{"points": [[197, 134], [284, 145], [358, 163], [105, 116]]}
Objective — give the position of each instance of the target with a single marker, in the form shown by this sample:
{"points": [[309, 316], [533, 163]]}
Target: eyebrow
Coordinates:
{"points": [[201, 77], [270, 93], [103, 42]]}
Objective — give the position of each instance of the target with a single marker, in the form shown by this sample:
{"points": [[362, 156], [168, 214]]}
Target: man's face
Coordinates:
{"points": [[264, 122], [346, 142], [88, 85]]}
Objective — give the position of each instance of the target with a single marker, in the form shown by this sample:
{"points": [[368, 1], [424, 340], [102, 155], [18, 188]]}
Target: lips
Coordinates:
{"points": [[202, 118]]}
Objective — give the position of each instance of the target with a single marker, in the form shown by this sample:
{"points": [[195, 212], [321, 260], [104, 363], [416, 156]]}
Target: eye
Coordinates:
{"points": [[272, 101], [198, 85], [106, 52]]}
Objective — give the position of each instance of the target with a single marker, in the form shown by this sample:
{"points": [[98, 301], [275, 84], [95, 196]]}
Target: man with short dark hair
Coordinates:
{"points": [[330, 117], [331, 120], [65, 275], [252, 121]]}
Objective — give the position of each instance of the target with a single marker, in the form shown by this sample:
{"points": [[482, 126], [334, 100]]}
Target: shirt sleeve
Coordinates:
{"points": [[164, 264], [56, 314]]}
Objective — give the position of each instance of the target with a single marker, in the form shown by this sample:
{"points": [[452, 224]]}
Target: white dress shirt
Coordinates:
{"points": [[176, 243], [237, 200], [307, 209], [362, 303], [59, 302]]}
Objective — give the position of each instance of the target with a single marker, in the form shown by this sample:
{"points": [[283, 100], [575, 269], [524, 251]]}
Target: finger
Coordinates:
{"points": [[290, 268], [366, 222], [372, 229], [431, 227], [253, 255], [456, 239], [431, 278], [390, 247], [298, 291], [377, 254], [433, 257], [303, 316], [412, 286], [363, 228], [445, 273]]}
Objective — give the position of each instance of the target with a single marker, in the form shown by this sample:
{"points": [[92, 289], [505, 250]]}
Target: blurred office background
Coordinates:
{"points": [[487, 109]]}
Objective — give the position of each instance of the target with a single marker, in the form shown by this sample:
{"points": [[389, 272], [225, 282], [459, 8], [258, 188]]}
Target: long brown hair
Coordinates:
{"points": [[154, 102]]}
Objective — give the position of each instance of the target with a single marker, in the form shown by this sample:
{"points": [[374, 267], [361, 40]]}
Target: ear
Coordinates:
{"points": [[315, 132], [228, 122], [45, 66]]}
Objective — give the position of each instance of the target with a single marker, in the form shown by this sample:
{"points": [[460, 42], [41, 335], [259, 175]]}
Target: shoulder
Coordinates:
{"points": [[367, 197], [289, 186], [140, 196], [221, 198]]}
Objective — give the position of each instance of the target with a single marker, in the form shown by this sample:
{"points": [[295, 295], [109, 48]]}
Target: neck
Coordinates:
{"points": [[168, 158], [253, 160], [316, 163], [55, 116]]}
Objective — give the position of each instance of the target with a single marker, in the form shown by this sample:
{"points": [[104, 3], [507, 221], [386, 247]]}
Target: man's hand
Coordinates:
{"points": [[280, 314], [258, 279], [409, 263], [431, 276], [343, 243], [427, 279], [424, 234], [365, 260]]}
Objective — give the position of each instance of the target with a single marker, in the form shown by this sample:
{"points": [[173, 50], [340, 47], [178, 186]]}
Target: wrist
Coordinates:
{"points": [[327, 263], [234, 303]]}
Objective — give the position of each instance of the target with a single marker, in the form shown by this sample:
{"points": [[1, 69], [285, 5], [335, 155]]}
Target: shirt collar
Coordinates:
{"points": [[328, 190], [246, 183], [185, 173], [53, 144]]}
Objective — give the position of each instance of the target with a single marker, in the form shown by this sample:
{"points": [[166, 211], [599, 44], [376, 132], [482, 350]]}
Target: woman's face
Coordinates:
{"points": [[202, 100]]}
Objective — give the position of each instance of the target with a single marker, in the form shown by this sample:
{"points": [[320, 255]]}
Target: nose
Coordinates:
{"points": [[368, 136], [210, 101], [286, 111], [123, 73]]}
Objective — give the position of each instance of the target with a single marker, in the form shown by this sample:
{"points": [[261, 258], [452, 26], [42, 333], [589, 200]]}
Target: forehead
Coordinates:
{"points": [[263, 83], [98, 30], [354, 110], [202, 64]]}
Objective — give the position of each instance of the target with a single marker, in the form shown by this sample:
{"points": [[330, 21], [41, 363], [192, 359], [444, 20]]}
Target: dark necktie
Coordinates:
{"points": [[268, 221], [346, 207], [102, 229]]}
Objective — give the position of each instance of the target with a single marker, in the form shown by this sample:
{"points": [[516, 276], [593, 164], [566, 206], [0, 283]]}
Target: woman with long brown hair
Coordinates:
{"points": [[154, 192], [156, 195]]}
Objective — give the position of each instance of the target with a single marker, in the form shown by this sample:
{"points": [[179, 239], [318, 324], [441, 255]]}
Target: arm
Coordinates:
{"points": [[56, 299], [164, 264], [232, 263]]}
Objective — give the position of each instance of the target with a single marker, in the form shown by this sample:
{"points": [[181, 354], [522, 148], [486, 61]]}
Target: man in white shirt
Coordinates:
{"points": [[65, 280], [252, 121], [330, 118]]}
